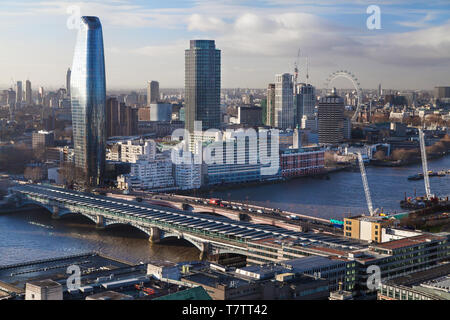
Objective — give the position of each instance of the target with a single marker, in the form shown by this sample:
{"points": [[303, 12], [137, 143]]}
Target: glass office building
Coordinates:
{"points": [[202, 84], [88, 95]]}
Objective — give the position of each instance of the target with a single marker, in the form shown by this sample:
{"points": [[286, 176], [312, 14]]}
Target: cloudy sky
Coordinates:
{"points": [[145, 40]]}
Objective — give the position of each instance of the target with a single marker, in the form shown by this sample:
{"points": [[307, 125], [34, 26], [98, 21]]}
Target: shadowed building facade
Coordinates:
{"points": [[331, 119], [202, 84], [88, 94]]}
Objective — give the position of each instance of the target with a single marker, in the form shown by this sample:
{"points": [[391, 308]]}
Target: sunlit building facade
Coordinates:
{"points": [[202, 84], [88, 95], [284, 101]]}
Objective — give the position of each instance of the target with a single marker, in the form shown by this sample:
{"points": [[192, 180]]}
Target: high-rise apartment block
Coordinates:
{"points": [[19, 92], [68, 76], [152, 92], [88, 94], [28, 93], [121, 120], [270, 120]]}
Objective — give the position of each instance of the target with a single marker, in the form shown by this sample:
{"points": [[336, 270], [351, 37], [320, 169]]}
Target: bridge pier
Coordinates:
{"points": [[205, 250], [100, 224], [155, 235], [55, 213]]}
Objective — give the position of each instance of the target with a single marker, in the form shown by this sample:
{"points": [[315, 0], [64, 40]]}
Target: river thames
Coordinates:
{"points": [[34, 235], [343, 194]]}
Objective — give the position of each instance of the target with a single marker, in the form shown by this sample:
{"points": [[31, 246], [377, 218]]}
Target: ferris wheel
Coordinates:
{"points": [[349, 76]]}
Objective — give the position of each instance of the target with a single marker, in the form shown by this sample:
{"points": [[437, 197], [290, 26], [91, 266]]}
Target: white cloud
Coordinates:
{"points": [[256, 41], [198, 22], [419, 23]]}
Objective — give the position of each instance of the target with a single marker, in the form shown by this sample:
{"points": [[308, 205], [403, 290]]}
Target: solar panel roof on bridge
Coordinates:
{"points": [[222, 225]]}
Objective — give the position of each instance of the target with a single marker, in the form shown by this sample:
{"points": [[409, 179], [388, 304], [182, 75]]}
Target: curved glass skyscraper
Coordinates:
{"points": [[88, 94]]}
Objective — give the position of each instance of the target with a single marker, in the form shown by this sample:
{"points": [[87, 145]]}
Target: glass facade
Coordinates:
{"points": [[202, 84], [88, 94]]}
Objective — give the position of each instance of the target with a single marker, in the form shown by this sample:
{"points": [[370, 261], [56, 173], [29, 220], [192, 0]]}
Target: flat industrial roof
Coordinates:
{"points": [[311, 262], [407, 242]]}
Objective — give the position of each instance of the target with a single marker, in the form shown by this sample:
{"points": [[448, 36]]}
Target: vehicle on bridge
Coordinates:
{"points": [[216, 202]]}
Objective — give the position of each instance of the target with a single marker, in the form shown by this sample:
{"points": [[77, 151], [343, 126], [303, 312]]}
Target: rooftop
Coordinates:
{"points": [[213, 279], [308, 263], [44, 283], [109, 295], [408, 242], [442, 283], [197, 293], [421, 276], [264, 271], [34, 271]]}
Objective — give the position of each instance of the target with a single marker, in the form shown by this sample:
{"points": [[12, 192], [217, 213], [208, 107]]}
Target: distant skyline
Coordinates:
{"points": [[145, 40]]}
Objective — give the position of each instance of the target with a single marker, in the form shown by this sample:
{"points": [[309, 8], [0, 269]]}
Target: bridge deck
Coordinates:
{"points": [[212, 226]]}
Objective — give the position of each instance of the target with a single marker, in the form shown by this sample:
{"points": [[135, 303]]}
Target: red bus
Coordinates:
{"points": [[215, 202]]}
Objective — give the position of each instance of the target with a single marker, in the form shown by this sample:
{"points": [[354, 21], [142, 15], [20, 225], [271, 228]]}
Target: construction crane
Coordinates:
{"points": [[296, 69], [365, 184], [424, 165], [307, 70]]}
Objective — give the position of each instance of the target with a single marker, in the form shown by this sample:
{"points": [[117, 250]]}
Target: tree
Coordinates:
{"points": [[71, 175], [264, 110], [329, 159], [379, 155], [35, 173], [14, 159]]}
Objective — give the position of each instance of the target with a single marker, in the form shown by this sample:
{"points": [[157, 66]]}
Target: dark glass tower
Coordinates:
{"points": [[202, 84], [88, 95]]}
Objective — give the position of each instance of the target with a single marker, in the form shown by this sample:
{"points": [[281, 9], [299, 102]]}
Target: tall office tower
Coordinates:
{"points": [[284, 101], [88, 90], [11, 98], [202, 85], [380, 91], [331, 119], [41, 95], [271, 105], [28, 93], [68, 75], [152, 92], [306, 101], [19, 92]]}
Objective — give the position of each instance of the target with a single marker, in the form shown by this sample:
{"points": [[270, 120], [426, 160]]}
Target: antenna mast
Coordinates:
{"points": [[296, 70]]}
